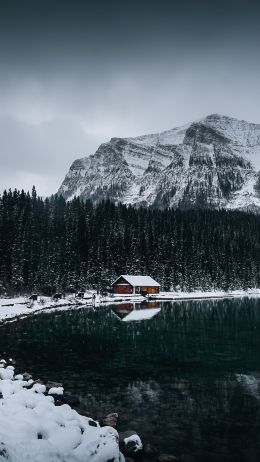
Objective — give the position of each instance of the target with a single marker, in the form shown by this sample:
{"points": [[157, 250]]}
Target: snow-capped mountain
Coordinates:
{"points": [[214, 162]]}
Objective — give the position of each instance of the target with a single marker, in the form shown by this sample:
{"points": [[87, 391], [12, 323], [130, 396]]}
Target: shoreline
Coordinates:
{"points": [[13, 309], [36, 419]]}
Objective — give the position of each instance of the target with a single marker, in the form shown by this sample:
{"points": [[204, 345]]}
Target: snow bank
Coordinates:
{"points": [[117, 298], [11, 308], [19, 307], [199, 294], [33, 429]]}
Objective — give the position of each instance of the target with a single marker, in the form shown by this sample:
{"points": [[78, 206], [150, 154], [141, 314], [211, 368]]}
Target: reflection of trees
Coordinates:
{"points": [[220, 333], [212, 419], [181, 379]]}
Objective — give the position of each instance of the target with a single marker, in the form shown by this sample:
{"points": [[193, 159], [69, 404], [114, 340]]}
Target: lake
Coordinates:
{"points": [[187, 380]]}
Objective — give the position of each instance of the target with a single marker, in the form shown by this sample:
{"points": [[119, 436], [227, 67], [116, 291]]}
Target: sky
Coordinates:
{"points": [[75, 73]]}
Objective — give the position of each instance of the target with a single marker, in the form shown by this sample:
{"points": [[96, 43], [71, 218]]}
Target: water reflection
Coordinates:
{"points": [[188, 380], [136, 311]]}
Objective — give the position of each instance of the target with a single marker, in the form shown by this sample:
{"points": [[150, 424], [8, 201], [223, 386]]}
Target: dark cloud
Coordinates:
{"points": [[75, 73]]}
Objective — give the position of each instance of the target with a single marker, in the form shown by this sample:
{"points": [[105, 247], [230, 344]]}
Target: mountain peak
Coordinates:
{"points": [[216, 116], [212, 162]]}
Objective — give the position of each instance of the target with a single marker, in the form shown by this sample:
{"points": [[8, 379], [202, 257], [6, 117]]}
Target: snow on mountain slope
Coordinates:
{"points": [[174, 136], [213, 162]]}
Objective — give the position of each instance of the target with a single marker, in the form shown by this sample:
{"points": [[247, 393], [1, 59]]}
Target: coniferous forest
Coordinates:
{"points": [[53, 245]]}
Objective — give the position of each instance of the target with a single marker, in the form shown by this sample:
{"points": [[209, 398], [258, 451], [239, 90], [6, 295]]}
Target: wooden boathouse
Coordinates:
{"points": [[131, 285]]}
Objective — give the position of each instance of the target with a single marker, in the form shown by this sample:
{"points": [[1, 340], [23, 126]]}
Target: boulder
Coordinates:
{"points": [[130, 443], [56, 391], [92, 423], [26, 376], [39, 381], [3, 452], [110, 420], [50, 384]]}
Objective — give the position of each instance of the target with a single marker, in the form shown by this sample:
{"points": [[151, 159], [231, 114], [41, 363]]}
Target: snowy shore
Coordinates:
{"points": [[34, 429], [198, 295], [14, 308]]}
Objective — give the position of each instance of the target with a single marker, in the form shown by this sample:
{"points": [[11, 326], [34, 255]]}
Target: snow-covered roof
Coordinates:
{"points": [[137, 281]]}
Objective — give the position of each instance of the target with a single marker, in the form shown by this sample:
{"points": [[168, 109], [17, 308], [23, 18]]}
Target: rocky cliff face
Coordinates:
{"points": [[214, 162]]}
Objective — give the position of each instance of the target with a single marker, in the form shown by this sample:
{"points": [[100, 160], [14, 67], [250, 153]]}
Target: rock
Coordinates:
{"points": [[27, 376], [50, 384], [167, 458], [92, 423], [3, 452], [129, 459], [130, 443], [110, 420], [58, 402]]}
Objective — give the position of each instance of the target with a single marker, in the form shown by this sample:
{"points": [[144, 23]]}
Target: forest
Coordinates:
{"points": [[52, 245]]}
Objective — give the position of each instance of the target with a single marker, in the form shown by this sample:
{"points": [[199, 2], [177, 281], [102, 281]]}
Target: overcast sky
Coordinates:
{"points": [[75, 73]]}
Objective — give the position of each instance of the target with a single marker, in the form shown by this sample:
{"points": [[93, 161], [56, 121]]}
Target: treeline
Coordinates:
{"points": [[53, 245]]}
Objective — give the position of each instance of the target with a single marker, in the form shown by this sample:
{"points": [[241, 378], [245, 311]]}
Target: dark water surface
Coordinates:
{"points": [[187, 380]]}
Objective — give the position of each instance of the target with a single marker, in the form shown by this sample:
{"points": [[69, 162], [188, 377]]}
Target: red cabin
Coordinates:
{"points": [[132, 285]]}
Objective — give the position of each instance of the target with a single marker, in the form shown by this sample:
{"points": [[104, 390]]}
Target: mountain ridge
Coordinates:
{"points": [[213, 162]]}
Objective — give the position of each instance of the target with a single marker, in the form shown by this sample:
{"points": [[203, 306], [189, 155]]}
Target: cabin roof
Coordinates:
{"points": [[136, 281]]}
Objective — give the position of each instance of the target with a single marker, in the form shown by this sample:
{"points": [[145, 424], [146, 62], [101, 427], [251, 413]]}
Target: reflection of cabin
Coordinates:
{"points": [[123, 309], [126, 284]]}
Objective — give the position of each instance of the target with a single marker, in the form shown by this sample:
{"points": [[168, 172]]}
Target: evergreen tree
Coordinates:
{"points": [[54, 245]]}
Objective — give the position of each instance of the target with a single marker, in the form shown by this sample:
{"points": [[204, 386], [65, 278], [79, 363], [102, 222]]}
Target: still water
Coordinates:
{"points": [[187, 380]]}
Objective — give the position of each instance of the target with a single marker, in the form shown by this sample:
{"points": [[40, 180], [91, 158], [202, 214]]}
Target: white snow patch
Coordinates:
{"points": [[135, 439], [199, 294], [56, 391], [33, 429], [246, 196], [22, 306], [174, 136], [137, 281]]}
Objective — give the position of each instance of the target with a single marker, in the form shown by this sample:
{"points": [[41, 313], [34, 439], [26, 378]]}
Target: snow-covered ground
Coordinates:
{"points": [[199, 294], [12, 308], [33, 429]]}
